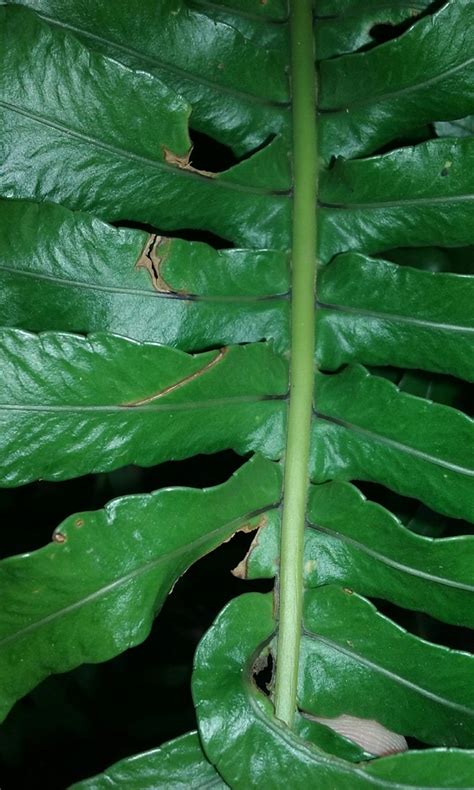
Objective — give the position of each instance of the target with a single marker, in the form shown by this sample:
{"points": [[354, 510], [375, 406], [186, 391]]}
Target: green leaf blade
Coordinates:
{"points": [[426, 74], [99, 106], [361, 546], [379, 313], [232, 100], [413, 446], [348, 26], [95, 590], [373, 669], [416, 196], [175, 765], [118, 169], [105, 396], [94, 277], [236, 722]]}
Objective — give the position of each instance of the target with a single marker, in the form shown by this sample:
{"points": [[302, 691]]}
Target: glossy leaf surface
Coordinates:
{"points": [[177, 764], [387, 430], [350, 25], [362, 546], [221, 690], [71, 406], [411, 313], [215, 254], [100, 161], [231, 98], [364, 104], [94, 277], [415, 196], [350, 670], [95, 590]]}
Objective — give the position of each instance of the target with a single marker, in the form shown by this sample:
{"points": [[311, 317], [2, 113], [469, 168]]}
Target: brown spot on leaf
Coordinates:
{"points": [[151, 260], [183, 162], [309, 566], [79, 522], [181, 383], [58, 537], [260, 663], [446, 168], [240, 571]]}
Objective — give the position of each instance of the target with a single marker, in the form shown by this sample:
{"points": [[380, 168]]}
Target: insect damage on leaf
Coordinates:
{"points": [[151, 261], [240, 571], [178, 384], [184, 163], [309, 683]]}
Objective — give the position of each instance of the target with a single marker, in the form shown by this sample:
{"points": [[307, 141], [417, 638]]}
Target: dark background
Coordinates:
{"points": [[76, 724]]}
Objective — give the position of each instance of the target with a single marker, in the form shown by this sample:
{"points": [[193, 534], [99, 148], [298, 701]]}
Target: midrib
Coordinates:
{"points": [[303, 282]]}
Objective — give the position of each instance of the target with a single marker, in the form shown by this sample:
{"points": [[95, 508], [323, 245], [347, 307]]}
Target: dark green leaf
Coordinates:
{"points": [[236, 722], [418, 196], [415, 447], [93, 277], [348, 25], [99, 106], [120, 160], [355, 661], [239, 93], [71, 405], [361, 545], [176, 765], [426, 74], [374, 311], [95, 590]]}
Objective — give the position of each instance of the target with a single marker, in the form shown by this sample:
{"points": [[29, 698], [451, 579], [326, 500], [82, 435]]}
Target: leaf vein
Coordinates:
{"points": [[410, 570], [404, 319], [377, 437], [130, 155], [142, 569], [431, 695]]}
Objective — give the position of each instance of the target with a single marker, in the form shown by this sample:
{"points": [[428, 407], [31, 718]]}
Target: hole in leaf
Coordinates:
{"points": [[414, 744], [386, 31], [210, 154], [218, 242], [420, 135], [263, 673], [188, 234], [75, 724]]}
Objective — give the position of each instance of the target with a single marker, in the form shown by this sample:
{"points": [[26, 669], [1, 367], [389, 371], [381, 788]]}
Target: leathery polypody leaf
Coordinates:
{"points": [[291, 304]]}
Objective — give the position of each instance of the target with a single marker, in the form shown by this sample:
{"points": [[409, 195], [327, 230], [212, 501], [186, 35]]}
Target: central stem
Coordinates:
{"points": [[296, 480]]}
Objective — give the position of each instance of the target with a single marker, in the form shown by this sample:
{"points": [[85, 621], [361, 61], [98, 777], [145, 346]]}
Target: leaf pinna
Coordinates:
{"points": [[308, 307]]}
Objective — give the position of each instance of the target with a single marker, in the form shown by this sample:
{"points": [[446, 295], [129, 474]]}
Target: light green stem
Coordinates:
{"points": [[296, 478]]}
